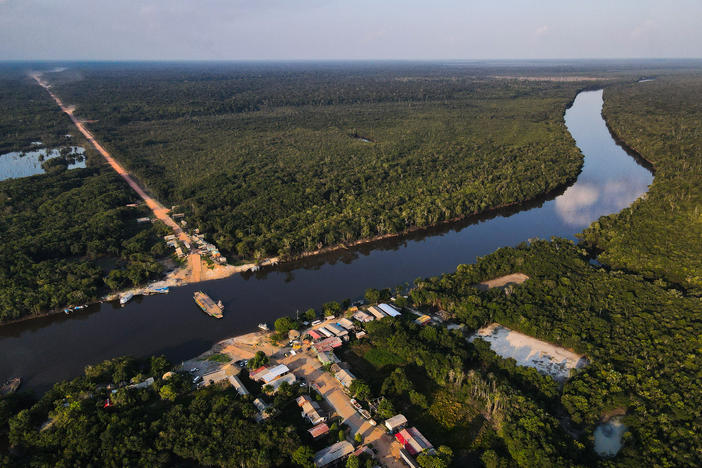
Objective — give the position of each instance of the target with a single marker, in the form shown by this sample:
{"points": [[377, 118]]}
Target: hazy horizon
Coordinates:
{"points": [[316, 30]]}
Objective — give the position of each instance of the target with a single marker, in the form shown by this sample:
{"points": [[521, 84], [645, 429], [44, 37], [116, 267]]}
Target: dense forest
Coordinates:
{"points": [[165, 424], [67, 235], [659, 236], [277, 161], [641, 340]]}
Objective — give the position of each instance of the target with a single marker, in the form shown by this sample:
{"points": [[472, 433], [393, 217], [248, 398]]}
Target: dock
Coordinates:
{"points": [[207, 305]]}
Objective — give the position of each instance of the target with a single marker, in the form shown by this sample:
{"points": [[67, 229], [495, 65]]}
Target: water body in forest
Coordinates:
{"points": [[52, 348], [15, 164]]}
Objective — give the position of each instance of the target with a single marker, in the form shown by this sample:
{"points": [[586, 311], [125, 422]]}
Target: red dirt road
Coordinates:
{"points": [[157, 208]]}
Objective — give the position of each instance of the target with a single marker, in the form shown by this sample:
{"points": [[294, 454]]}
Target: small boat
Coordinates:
{"points": [[207, 305], [80, 307], [126, 298], [163, 290], [263, 326], [10, 385]]}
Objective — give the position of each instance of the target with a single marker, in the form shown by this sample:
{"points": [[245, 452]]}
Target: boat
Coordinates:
{"points": [[10, 385], [163, 290], [207, 305], [126, 298], [263, 326]]}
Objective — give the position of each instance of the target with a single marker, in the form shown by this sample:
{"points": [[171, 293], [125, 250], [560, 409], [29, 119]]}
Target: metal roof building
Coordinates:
{"points": [[346, 323], [390, 310], [336, 329], [345, 377], [395, 422], [377, 313], [332, 453], [273, 373], [362, 317]]}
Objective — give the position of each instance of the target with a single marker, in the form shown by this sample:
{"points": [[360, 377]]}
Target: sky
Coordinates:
{"points": [[352, 29]]}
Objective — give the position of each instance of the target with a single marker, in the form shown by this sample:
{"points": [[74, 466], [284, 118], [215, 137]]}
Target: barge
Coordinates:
{"points": [[207, 305]]}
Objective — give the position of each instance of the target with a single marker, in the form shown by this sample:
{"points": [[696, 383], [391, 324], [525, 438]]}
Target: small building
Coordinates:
{"points": [[346, 323], [263, 410], [333, 453], [363, 317], [345, 377], [314, 335], [236, 383], [256, 373], [328, 344], [396, 422], [319, 430], [310, 410], [360, 334], [143, 220], [337, 330], [413, 441], [325, 332], [376, 312], [327, 357], [422, 320], [289, 378], [407, 458], [390, 310], [273, 373]]}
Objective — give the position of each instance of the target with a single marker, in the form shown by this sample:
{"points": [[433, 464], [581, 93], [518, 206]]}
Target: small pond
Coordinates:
{"points": [[24, 164], [608, 437]]}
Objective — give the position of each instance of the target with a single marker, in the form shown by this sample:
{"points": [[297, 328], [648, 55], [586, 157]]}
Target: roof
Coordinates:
{"points": [[328, 344], [258, 403], [378, 313], [362, 316], [255, 373], [346, 323], [314, 335], [302, 399], [273, 373], [289, 378], [236, 383], [318, 430], [332, 453], [216, 376], [388, 309], [396, 421], [416, 435], [336, 329], [344, 377]]}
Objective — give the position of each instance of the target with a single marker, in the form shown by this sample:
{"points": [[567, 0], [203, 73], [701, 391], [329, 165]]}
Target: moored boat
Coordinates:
{"points": [[125, 298], [263, 326], [207, 305]]}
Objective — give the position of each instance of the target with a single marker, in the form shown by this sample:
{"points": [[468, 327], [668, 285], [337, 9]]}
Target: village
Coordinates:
{"points": [[326, 405]]}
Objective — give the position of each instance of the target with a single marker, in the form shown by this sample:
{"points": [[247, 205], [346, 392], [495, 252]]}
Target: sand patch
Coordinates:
{"points": [[502, 281], [530, 352]]}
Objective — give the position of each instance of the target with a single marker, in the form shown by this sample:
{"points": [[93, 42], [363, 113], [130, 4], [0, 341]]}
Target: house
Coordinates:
{"points": [[333, 453], [272, 374], [289, 378], [422, 320], [396, 422], [413, 441], [362, 317], [314, 335], [376, 312], [254, 374], [327, 357], [325, 332], [344, 377], [407, 458], [236, 383], [310, 410], [337, 330], [346, 323], [319, 430], [390, 310], [264, 412], [328, 344], [360, 335]]}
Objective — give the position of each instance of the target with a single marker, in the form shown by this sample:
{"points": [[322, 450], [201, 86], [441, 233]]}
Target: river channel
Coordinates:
{"points": [[48, 349]]}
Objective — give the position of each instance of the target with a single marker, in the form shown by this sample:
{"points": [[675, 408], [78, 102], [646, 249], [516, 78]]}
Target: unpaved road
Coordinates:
{"points": [[157, 208], [307, 366]]}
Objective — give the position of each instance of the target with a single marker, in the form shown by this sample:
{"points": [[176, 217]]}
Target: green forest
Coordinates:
{"points": [[165, 424], [659, 236], [68, 236], [283, 161]]}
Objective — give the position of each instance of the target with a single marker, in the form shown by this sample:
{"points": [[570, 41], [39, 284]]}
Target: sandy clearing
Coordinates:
{"points": [[514, 278], [545, 357]]}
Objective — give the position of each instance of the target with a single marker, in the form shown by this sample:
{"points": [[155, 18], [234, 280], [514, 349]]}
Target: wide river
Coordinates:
{"points": [[45, 350]]}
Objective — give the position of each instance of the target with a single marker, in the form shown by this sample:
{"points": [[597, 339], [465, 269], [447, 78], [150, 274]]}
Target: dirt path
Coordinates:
{"points": [[157, 208]]}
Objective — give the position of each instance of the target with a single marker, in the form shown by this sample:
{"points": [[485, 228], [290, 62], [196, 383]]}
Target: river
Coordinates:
{"points": [[48, 349]]}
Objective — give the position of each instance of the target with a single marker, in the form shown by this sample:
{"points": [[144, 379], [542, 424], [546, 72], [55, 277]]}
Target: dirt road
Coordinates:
{"points": [[307, 366], [157, 208]]}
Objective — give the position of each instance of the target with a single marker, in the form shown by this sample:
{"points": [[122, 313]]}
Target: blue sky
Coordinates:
{"points": [[358, 29]]}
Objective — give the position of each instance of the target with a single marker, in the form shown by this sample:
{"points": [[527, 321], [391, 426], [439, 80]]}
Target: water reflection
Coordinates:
{"points": [[24, 164]]}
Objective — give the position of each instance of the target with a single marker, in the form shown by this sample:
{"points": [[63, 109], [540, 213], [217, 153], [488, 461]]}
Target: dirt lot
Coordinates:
{"points": [[502, 281]]}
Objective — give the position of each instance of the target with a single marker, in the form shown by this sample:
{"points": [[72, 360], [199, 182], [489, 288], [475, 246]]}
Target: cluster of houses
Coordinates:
{"points": [[412, 441], [203, 247], [273, 376], [314, 414]]}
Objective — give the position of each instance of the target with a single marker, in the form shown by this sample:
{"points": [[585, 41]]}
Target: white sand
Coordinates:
{"points": [[527, 351]]}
